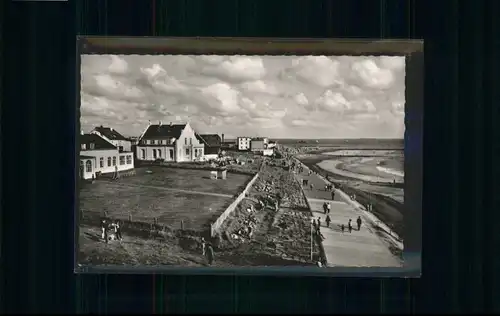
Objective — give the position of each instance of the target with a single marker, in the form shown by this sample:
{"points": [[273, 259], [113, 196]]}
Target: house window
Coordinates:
{"points": [[101, 162], [129, 159], [154, 153], [152, 142], [144, 142], [185, 141], [187, 151], [122, 160], [159, 153], [92, 145], [114, 161], [109, 161], [143, 153], [88, 166], [171, 154], [84, 147], [196, 152], [120, 148], [190, 141]]}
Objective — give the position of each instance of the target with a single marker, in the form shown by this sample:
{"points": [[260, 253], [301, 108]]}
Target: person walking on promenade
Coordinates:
{"points": [[311, 186], [328, 220], [328, 208], [358, 221], [333, 195], [342, 227], [349, 225], [325, 208]]}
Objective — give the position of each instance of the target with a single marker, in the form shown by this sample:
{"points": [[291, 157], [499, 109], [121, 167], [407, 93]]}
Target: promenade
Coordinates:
{"points": [[363, 248]]}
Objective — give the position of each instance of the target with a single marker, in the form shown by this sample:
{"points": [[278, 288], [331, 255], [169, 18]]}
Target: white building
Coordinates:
{"points": [[244, 143], [169, 142], [98, 156], [111, 135]]}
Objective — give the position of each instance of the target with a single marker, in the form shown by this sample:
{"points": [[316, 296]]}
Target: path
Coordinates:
{"points": [[363, 248], [166, 189]]}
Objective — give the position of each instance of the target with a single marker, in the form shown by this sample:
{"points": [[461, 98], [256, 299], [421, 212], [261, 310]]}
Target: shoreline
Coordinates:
{"points": [[387, 209]]}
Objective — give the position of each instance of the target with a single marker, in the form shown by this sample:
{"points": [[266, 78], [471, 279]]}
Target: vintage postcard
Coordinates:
{"points": [[213, 160]]}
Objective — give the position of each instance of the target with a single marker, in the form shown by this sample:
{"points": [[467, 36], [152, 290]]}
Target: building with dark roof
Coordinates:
{"points": [[114, 137], [169, 142], [212, 142], [99, 156]]}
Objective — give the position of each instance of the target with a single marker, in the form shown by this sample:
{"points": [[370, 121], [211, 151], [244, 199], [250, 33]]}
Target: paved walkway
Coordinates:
{"points": [[117, 183], [363, 248]]}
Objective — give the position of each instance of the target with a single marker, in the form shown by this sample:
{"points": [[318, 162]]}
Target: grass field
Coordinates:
{"points": [[170, 195], [188, 179]]}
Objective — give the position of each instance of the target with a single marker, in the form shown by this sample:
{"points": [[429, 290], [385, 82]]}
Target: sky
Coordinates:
{"points": [[273, 96]]}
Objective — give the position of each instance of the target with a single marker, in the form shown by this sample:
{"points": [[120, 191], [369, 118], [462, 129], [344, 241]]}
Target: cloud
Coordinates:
{"points": [[234, 68], [371, 75], [275, 96]]}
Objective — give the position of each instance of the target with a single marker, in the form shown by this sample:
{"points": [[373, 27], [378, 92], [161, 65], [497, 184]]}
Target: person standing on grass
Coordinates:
{"points": [[349, 225], [358, 221], [333, 195], [104, 230], [311, 186], [342, 227], [118, 230], [203, 246], [328, 220], [210, 254]]}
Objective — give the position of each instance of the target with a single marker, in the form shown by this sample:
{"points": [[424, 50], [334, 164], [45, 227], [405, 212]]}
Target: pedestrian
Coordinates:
{"points": [[319, 222], [328, 208], [118, 230], [342, 227], [328, 220], [358, 221], [326, 187], [210, 254], [203, 246], [104, 229], [325, 208], [349, 225], [333, 195], [311, 186]]}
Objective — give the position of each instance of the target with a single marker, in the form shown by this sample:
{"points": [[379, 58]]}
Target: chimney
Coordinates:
{"points": [[222, 138], [159, 123], [81, 132], [171, 124], [149, 122]]}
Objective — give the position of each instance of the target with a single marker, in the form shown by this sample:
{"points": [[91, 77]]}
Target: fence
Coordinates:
{"points": [[215, 227]]}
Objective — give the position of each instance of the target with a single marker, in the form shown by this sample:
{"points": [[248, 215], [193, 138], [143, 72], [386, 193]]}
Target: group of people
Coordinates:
{"points": [[317, 222], [349, 225], [106, 226]]}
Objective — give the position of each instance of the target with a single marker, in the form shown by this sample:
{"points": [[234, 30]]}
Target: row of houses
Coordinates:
{"points": [[256, 144], [104, 150]]}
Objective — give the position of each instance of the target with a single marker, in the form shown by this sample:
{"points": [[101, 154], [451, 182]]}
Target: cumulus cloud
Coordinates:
{"points": [[275, 96]]}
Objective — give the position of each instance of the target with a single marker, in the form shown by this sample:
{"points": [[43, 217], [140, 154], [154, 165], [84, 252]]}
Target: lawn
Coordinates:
{"points": [[144, 203], [188, 179]]}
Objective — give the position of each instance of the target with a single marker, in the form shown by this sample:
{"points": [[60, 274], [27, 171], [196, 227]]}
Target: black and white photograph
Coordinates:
{"points": [[241, 161]]}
